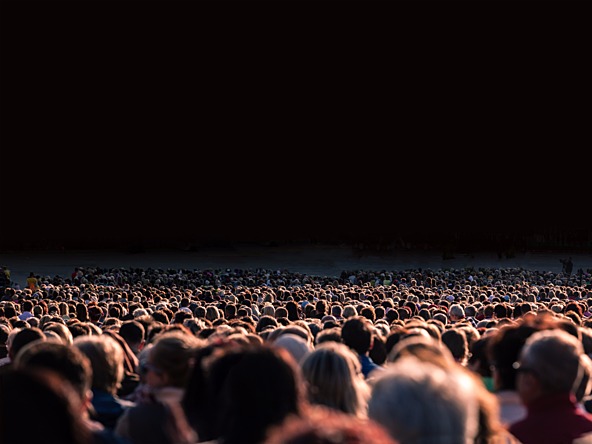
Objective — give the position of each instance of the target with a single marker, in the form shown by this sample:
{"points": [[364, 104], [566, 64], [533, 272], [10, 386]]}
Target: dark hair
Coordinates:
{"points": [[356, 333], [44, 396], [328, 334], [265, 321], [378, 351], [23, 337], [67, 361], [132, 331], [241, 391], [503, 349], [293, 310], [82, 312]]}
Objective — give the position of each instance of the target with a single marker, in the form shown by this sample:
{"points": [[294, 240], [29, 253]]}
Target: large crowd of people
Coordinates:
{"points": [[261, 356]]}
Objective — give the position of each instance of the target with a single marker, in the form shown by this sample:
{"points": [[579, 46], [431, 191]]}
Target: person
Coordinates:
{"points": [[239, 391], [40, 406], [134, 333], [157, 416], [4, 277], [502, 350], [549, 369], [328, 426], [357, 333], [333, 377], [32, 282], [17, 339], [567, 265], [107, 361], [294, 344], [74, 369], [457, 343], [419, 401]]}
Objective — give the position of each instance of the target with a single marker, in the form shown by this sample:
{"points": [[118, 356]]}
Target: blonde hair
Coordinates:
{"points": [[334, 379], [107, 360], [172, 353]]}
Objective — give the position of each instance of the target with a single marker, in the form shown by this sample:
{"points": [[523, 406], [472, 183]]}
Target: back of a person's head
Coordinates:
{"points": [[132, 331], [253, 387], [419, 402], [27, 305], [457, 343], [212, 313], [39, 407], [503, 350], [328, 334], [368, 312], [22, 337], [296, 345], [332, 375], [281, 312], [349, 310], [171, 353], [264, 322], [328, 426], [337, 310], [106, 358], [456, 310], [356, 333], [422, 347], [65, 360], [61, 330], [554, 356]]}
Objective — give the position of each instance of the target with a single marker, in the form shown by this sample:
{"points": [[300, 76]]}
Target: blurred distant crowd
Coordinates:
{"points": [[261, 356]]}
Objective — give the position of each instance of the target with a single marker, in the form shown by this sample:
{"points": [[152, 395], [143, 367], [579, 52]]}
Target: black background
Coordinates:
{"points": [[145, 124]]}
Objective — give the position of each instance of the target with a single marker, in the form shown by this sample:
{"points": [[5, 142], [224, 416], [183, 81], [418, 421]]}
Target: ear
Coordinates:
{"points": [[87, 401]]}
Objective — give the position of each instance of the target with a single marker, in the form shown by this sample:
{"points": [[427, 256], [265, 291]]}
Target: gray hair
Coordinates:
{"points": [[555, 356], [422, 403]]}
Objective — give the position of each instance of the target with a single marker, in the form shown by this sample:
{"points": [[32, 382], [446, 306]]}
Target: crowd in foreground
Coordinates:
{"points": [[238, 356]]}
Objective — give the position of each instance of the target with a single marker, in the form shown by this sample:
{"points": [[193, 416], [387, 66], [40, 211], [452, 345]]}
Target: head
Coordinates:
{"points": [[134, 333], [246, 389], [47, 398], [357, 333], [457, 343], [417, 401], [328, 426], [106, 359], [20, 337], [66, 361], [503, 350], [551, 362], [169, 359], [333, 378]]}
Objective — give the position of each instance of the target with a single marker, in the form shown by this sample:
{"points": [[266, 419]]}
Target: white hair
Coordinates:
{"points": [[419, 402]]}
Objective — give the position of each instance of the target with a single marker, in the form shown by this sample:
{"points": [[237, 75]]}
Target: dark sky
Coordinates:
{"points": [[135, 122]]}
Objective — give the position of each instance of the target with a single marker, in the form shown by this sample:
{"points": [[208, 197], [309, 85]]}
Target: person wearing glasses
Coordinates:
{"points": [[550, 368]]}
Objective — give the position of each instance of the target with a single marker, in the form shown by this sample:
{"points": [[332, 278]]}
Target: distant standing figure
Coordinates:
{"points": [[32, 282], [5, 275], [567, 266]]}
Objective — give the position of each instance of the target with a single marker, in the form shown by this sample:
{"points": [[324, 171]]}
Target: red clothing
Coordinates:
{"points": [[554, 419]]}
